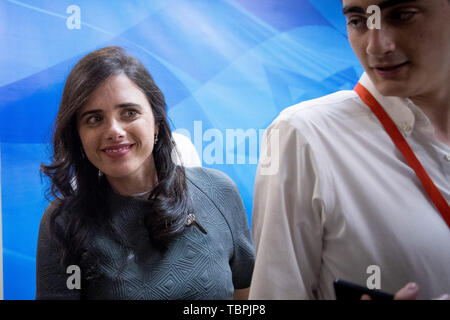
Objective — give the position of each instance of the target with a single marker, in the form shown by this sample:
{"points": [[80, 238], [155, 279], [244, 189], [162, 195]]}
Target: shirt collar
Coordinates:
{"points": [[405, 114]]}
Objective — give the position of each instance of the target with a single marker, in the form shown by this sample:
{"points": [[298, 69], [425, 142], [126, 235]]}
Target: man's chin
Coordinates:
{"points": [[390, 88]]}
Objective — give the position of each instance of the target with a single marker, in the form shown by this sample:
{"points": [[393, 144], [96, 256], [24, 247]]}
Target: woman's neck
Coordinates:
{"points": [[138, 184]]}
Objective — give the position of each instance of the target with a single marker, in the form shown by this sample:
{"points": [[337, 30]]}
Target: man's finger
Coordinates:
{"points": [[408, 292]]}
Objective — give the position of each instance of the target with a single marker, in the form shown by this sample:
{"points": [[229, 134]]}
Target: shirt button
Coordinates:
{"points": [[447, 157], [407, 129]]}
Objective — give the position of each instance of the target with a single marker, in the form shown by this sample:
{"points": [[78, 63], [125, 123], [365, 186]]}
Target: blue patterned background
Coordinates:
{"points": [[231, 64]]}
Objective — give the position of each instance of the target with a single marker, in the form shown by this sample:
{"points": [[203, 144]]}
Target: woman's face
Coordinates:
{"points": [[117, 129]]}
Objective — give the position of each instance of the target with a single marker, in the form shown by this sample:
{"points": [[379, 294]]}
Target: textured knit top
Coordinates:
{"points": [[195, 265]]}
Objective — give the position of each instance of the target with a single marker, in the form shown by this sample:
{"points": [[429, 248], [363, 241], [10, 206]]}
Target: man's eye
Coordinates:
{"points": [[356, 23], [402, 15]]}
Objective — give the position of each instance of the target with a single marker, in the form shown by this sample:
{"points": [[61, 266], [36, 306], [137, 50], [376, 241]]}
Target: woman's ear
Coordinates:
{"points": [[156, 129], [156, 134]]}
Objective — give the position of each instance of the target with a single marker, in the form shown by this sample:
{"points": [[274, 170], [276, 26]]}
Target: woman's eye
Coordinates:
{"points": [[130, 113], [93, 119]]}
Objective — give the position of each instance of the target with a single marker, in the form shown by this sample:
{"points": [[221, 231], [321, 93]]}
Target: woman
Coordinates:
{"points": [[126, 220]]}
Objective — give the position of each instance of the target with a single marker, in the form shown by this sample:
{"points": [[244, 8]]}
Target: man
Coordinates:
{"points": [[346, 203]]}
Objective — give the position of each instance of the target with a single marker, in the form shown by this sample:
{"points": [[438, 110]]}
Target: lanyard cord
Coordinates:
{"points": [[403, 146]]}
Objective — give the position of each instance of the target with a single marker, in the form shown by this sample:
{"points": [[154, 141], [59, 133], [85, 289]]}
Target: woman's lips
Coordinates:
{"points": [[117, 151]]}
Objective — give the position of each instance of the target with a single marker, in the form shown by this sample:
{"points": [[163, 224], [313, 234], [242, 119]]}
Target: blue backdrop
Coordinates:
{"points": [[231, 64]]}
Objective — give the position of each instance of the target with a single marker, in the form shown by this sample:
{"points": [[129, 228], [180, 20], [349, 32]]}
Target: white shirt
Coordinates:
{"points": [[344, 198], [185, 153]]}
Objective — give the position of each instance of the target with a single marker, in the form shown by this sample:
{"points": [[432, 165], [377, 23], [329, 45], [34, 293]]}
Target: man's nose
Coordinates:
{"points": [[380, 43], [115, 130]]}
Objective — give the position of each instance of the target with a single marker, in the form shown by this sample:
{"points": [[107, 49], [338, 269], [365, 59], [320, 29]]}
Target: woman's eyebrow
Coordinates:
{"points": [[127, 104]]}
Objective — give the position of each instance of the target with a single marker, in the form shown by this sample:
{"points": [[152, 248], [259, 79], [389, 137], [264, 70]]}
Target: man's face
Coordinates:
{"points": [[410, 55]]}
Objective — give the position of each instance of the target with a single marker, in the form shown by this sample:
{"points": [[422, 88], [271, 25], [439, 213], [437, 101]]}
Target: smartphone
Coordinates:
{"points": [[350, 291]]}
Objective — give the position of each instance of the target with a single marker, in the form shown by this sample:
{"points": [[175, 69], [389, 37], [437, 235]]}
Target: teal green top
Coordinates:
{"points": [[195, 266]]}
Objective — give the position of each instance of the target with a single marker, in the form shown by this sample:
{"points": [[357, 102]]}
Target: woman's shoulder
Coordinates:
{"points": [[206, 178], [217, 187], [53, 208]]}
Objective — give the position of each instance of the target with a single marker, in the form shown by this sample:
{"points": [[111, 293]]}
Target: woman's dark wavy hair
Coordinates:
{"points": [[74, 180]]}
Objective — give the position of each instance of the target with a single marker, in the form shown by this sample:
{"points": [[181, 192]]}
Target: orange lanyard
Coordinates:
{"points": [[403, 146]]}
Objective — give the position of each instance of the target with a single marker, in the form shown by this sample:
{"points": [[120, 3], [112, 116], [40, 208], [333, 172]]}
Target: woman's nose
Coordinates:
{"points": [[115, 130]]}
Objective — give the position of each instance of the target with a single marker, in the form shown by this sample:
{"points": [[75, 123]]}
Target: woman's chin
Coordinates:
{"points": [[118, 173]]}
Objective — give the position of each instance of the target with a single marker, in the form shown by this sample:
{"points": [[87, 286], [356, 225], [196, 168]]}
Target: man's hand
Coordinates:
{"points": [[408, 292]]}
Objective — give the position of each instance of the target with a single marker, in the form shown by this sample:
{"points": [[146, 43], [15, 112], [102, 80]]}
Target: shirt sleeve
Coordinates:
{"points": [[288, 211], [185, 153], [51, 277]]}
